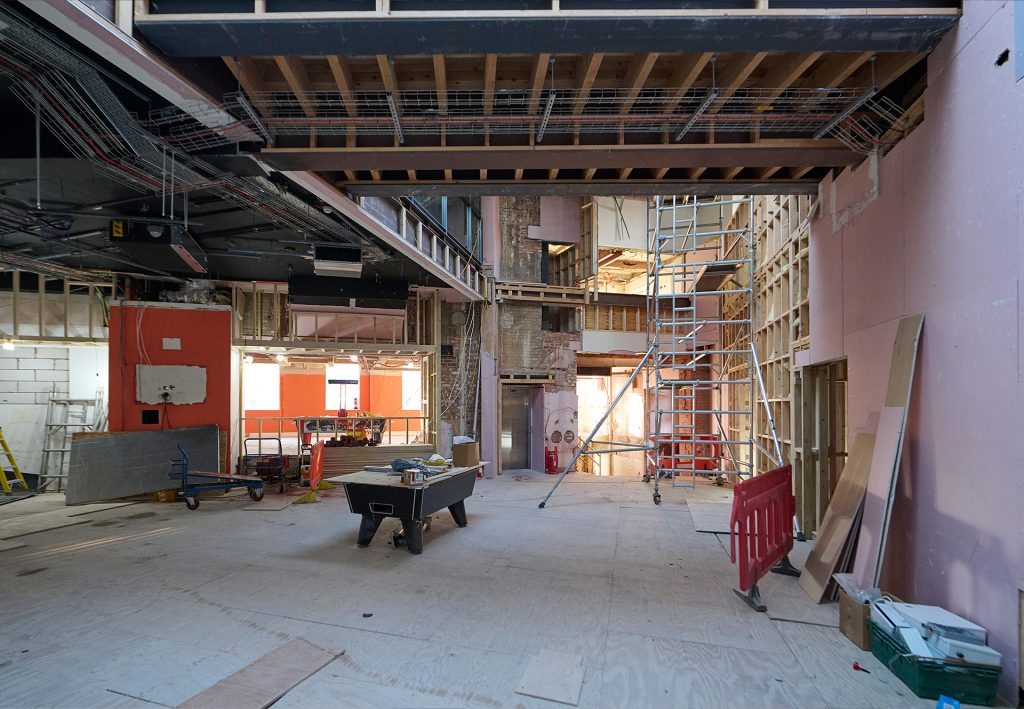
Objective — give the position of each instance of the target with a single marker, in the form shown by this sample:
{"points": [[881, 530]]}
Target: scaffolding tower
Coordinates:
{"points": [[703, 379]]}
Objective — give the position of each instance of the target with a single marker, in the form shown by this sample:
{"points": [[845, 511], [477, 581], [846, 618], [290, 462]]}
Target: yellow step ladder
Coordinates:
{"points": [[19, 478]]}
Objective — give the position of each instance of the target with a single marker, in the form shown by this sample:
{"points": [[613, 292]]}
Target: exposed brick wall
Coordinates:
{"points": [[28, 375], [520, 255], [522, 340]]}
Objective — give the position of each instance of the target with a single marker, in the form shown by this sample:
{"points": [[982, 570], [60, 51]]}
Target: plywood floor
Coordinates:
{"points": [[150, 604]]}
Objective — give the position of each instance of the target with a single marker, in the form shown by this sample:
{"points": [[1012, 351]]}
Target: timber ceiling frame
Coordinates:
{"points": [[744, 51]]}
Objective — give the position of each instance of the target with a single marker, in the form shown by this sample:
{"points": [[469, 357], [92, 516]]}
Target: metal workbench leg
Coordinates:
{"points": [[413, 530], [367, 528], [458, 511]]}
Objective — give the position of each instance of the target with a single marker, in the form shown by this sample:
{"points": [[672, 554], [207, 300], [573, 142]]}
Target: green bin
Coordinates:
{"points": [[969, 682]]}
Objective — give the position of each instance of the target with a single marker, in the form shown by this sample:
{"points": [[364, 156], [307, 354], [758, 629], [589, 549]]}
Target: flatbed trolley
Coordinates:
{"points": [[195, 481], [269, 466]]}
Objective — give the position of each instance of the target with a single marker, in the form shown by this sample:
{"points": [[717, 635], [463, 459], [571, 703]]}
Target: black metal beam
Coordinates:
{"points": [[609, 188], [265, 35], [765, 154]]}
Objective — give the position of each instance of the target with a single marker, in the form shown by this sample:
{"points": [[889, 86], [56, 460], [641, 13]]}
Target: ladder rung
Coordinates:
{"points": [[704, 382], [704, 441], [730, 412], [719, 292]]}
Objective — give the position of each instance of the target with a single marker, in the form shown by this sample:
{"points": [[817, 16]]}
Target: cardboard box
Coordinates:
{"points": [[465, 454], [853, 617]]}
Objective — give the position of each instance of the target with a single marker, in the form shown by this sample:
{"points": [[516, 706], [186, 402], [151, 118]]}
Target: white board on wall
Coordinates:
{"points": [[182, 384], [88, 371]]}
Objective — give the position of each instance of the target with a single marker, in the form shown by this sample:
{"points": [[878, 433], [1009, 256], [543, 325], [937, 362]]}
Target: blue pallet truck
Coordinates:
{"points": [[195, 481]]}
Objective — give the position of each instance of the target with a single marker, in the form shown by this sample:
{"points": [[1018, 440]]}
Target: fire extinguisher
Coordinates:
{"points": [[551, 461]]}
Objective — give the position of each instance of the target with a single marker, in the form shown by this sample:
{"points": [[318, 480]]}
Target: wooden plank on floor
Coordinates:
{"points": [[837, 523], [556, 676], [261, 683], [7, 545]]}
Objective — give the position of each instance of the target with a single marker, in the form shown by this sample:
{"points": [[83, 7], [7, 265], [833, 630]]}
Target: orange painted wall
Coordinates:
{"points": [[303, 395], [205, 335]]}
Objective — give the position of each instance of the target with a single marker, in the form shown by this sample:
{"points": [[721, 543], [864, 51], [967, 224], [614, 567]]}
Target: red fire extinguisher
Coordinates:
{"points": [[551, 461]]}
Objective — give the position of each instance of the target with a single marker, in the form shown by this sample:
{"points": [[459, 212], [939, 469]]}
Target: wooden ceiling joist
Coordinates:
{"points": [[587, 73], [247, 72], [737, 71], [834, 69], [342, 74], [390, 79], [537, 76], [787, 72], [884, 70], [688, 69], [294, 73], [636, 77], [490, 75], [440, 82]]}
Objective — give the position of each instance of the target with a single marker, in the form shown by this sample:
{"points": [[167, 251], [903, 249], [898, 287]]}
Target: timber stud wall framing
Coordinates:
{"points": [[808, 405]]}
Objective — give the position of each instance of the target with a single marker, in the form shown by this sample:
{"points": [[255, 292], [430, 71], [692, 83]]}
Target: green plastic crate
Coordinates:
{"points": [[970, 683]]}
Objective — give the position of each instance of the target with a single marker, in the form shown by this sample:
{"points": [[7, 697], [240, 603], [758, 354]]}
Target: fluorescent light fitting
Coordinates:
{"points": [[712, 95]]}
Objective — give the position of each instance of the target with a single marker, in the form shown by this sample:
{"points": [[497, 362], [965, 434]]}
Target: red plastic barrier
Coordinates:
{"points": [[705, 451], [761, 528]]}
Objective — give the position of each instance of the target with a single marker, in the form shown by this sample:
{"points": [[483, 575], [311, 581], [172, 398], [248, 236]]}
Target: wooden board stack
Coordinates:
{"points": [[861, 507]]}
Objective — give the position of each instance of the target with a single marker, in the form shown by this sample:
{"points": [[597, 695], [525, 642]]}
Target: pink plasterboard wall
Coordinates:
{"points": [[559, 220], [942, 237]]}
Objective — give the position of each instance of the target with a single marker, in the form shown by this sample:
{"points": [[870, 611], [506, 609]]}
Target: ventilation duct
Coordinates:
{"points": [[158, 245], [334, 260]]}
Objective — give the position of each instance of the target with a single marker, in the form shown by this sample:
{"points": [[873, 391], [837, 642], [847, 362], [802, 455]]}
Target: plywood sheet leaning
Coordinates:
{"points": [[261, 683], [868, 563], [885, 464], [117, 465], [838, 521]]}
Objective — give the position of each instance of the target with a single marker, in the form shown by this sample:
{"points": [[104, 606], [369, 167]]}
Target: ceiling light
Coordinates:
{"points": [[8, 345], [410, 365], [353, 358], [280, 358], [248, 359]]}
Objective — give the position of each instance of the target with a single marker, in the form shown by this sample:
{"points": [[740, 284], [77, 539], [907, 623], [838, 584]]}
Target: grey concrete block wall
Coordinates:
{"points": [[28, 376]]}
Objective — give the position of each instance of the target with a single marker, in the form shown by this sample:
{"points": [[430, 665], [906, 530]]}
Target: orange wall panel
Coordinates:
{"points": [[137, 332]]}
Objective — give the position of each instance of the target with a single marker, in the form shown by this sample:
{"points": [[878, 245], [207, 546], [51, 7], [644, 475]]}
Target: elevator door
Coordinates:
{"points": [[515, 428]]}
